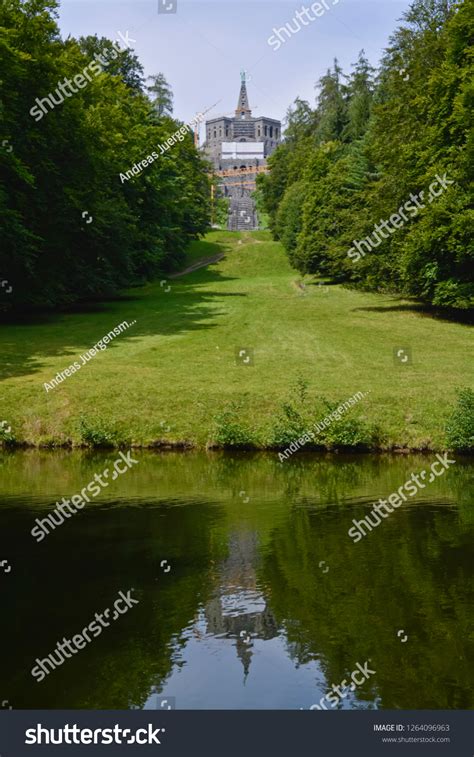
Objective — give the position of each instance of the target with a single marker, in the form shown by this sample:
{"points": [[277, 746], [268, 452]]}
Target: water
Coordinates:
{"points": [[251, 594]]}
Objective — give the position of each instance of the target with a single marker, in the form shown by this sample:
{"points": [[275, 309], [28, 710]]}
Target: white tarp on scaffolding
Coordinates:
{"points": [[242, 150]]}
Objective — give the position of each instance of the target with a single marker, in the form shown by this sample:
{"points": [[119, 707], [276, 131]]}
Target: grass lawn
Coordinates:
{"points": [[169, 374]]}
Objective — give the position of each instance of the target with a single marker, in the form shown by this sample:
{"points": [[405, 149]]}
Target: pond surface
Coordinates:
{"points": [[264, 601]]}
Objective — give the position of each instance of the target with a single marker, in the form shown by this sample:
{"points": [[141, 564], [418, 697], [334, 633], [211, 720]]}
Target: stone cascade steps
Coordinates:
{"points": [[242, 214]]}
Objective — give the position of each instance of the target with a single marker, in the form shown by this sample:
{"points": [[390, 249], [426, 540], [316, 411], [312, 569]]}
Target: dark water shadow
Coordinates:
{"points": [[281, 566]]}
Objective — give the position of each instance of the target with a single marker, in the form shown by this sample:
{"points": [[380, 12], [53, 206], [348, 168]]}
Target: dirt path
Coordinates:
{"points": [[199, 264], [247, 239]]}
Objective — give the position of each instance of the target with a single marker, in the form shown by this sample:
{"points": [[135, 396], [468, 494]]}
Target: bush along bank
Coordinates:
{"points": [[299, 423]]}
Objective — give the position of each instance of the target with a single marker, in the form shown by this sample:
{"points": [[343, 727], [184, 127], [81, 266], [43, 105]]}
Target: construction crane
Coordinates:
{"points": [[196, 125]]}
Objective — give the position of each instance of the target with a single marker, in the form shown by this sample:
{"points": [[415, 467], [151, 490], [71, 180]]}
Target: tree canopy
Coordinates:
{"points": [[372, 140], [75, 226]]}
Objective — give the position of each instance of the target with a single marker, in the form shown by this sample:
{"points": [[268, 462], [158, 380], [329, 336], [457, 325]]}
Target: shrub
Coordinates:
{"points": [[6, 436], [460, 426], [299, 417], [229, 431], [293, 419], [349, 432], [95, 433], [289, 425]]}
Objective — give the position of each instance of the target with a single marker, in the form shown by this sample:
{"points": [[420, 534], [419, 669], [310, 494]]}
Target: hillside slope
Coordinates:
{"points": [[175, 368]]}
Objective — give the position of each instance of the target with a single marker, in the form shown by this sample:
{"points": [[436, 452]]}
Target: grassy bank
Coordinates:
{"points": [[169, 377]]}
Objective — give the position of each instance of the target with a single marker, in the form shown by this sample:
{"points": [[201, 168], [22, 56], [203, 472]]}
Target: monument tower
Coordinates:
{"points": [[238, 148]]}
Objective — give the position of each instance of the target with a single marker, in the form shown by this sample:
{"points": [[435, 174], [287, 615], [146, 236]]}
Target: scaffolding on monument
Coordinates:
{"points": [[242, 171]]}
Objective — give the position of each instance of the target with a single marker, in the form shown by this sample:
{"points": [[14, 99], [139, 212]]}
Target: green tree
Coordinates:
{"points": [[124, 64], [161, 95], [331, 110], [360, 94], [76, 225], [369, 145], [289, 216]]}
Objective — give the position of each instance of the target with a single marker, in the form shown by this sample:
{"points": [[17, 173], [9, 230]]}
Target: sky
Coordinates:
{"points": [[203, 45]]}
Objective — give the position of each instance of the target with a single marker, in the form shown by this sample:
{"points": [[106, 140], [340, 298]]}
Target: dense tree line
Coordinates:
{"points": [[64, 162], [373, 142]]}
